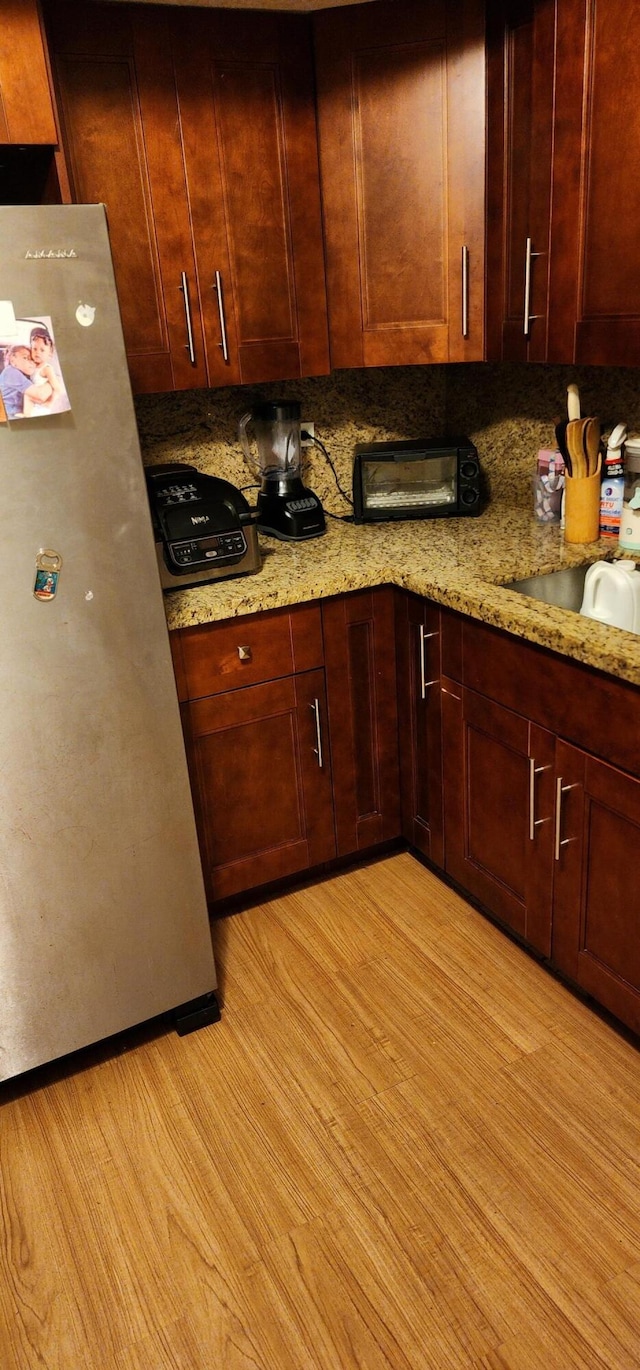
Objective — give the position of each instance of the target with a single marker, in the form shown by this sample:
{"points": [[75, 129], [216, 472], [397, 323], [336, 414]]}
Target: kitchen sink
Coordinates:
{"points": [[562, 588]]}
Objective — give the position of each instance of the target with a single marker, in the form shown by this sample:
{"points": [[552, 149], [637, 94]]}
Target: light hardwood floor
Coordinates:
{"points": [[404, 1146]]}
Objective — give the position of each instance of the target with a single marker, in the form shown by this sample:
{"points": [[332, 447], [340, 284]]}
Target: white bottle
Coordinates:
{"points": [[612, 484], [630, 521]]}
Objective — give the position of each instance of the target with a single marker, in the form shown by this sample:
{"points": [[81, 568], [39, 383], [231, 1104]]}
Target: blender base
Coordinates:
{"points": [[291, 516]]}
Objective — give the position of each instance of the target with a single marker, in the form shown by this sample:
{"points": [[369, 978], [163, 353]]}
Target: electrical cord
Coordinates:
{"points": [[316, 442]]}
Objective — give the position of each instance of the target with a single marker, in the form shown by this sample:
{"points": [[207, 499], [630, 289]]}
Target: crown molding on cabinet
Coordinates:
{"points": [[304, 6]]}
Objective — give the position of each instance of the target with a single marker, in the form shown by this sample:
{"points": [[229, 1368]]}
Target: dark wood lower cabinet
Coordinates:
{"points": [[359, 655], [537, 827], [499, 810], [261, 779], [596, 927], [419, 725], [533, 825]]}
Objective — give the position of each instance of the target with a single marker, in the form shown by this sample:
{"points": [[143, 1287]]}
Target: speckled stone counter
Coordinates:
{"points": [[461, 563]]}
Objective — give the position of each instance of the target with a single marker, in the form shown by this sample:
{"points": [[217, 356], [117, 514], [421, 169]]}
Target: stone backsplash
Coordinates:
{"points": [[508, 410], [373, 405]]}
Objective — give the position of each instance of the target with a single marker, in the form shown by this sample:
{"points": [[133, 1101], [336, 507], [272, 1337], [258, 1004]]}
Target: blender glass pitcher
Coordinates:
{"points": [[277, 440]]}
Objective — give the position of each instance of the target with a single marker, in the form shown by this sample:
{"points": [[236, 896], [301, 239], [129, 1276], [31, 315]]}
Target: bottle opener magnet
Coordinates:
{"points": [[48, 566]]}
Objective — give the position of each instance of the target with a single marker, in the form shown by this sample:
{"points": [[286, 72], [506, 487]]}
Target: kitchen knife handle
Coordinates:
{"points": [[424, 683], [533, 821], [560, 790], [217, 285], [184, 286], [318, 749], [465, 291]]}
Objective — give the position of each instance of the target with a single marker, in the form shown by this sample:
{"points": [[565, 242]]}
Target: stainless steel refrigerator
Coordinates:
{"points": [[103, 917]]}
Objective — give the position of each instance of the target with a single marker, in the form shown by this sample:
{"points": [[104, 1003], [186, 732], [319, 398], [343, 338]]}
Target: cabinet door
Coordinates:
{"points": [[401, 104], [419, 725], [361, 692], [248, 123], [595, 255], [261, 778], [521, 84], [498, 787], [121, 134], [26, 106], [596, 911]]}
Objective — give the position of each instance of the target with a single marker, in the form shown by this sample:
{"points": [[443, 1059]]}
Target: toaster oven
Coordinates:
{"points": [[431, 478]]}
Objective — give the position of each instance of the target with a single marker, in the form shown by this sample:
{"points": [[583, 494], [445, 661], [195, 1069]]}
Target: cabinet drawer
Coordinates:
{"points": [[247, 650]]}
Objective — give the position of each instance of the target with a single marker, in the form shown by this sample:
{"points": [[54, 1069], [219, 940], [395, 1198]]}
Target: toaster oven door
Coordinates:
{"points": [[409, 487]]}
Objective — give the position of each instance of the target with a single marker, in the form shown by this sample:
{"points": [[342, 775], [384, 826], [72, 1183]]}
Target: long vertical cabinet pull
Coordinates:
{"points": [[424, 683], [529, 254], [533, 821], [465, 291], [184, 287], [217, 285], [315, 706], [560, 841]]}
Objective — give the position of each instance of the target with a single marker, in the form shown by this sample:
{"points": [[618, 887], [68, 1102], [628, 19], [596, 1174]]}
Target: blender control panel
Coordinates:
{"points": [[298, 506]]}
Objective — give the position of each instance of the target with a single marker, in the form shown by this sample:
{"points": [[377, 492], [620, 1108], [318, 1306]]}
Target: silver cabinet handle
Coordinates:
{"points": [[318, 748], [465, 291], [245, 653], [529, 254], [217, 285], [184, 286], [560, 790], [424, 683], [450, 692], [533, 821], [527, 287]]}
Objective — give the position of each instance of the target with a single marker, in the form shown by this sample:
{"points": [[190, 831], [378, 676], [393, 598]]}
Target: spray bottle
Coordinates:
{"points": [[612, 485]]}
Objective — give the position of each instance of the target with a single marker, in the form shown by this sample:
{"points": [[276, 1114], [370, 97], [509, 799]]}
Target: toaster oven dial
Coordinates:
{"points": [[468, 496], [469, 469]]}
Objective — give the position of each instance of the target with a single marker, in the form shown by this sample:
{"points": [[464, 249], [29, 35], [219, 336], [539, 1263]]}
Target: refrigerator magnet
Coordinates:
{"points": [[48, 566]]}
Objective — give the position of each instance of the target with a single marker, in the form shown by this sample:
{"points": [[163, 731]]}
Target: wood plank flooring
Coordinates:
{"points": [[405, 1147]]}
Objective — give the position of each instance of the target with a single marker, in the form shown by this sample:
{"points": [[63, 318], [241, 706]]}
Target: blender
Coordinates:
{"points": [[287, 509]]}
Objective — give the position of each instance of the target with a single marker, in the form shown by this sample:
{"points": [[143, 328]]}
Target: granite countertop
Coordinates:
{"points": [[461, 563]]}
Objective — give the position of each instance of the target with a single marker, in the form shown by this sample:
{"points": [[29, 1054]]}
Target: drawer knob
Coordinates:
{"points": [[244, 653]]}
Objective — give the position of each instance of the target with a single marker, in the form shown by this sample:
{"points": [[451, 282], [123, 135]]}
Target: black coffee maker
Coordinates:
{"points": [[287, 509]]}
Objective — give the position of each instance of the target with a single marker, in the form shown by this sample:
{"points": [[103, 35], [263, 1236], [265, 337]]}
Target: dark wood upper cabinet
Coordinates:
{"points": [[197, 130], [245, 86], [595, 276], [563, 133], [121, 132], [401, 107], [26, 105], [521, 66]]}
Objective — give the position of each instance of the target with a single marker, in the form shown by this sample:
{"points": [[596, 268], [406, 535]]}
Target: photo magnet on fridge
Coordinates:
{"points": [[31, 382]]}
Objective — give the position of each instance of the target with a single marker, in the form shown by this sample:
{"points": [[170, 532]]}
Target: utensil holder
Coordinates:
{"points": [[582, 507]]}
